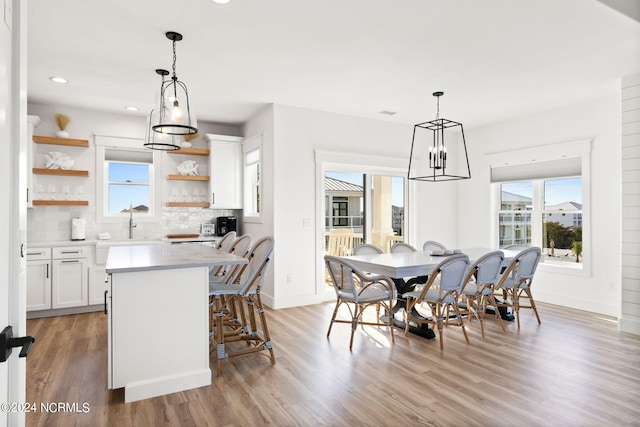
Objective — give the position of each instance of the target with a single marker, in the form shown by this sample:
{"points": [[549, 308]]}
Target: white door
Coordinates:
{"points": [[13, 194]]}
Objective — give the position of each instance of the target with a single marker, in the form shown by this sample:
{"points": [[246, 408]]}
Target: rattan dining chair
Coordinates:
{"points": [[515, 282], [240, 246], [402, 247], [246, 294], [234, 314], [357, 290], [441, 300], [479, 286], [227, 240], [432, 245], [366, 249], [223, 245], [516, 247]]}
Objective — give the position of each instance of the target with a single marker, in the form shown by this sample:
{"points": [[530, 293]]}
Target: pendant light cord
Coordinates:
{"points": [[174, 78], [174, 58]]}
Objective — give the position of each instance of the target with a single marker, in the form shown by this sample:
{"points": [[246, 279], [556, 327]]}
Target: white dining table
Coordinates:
{"points": [[419, 263]]}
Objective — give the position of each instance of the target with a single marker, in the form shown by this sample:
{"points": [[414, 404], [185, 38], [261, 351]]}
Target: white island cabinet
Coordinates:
{"points": [[158, 309]]}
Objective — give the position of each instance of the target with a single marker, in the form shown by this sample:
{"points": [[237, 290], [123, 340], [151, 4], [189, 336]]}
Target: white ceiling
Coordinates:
{"points": [[494, 59]]}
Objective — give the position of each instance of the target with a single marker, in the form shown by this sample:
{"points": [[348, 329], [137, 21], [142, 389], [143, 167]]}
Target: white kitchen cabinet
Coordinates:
{"points": [[97, 285], [69, 283], [97, 276], [38, 279], [225, 168]]}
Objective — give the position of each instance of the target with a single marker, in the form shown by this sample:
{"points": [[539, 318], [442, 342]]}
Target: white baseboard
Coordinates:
{"points": [[161, 386], [577, 303]]}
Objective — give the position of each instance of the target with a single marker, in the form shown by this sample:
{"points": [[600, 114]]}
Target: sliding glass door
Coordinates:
{"points": [[362, 207]]}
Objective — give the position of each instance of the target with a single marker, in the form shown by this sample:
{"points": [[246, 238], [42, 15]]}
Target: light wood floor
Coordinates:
{"points": [[575, 369]]}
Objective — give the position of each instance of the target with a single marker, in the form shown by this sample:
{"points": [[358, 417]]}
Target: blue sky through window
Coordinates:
{"points": [[397, 184], [556, 191], [123, 195]]}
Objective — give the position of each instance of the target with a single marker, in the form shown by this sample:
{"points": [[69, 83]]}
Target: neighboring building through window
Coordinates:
{"points": [[557, 202]]}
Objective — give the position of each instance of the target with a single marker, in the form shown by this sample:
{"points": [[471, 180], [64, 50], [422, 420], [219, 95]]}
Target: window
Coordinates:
{"points": [[126, 181], [251, 149], [340, 212], [128, 187], [562, 219], [540, 203], [516, 203], [560, 207]]}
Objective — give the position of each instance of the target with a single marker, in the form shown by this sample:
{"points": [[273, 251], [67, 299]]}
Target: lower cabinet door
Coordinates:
{"points": [[39, 285], [69, 283]]}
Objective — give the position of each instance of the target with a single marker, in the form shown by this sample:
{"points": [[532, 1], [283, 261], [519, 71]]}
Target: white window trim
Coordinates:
{"points": [[248, 145], [578, 148], [102, 144]]}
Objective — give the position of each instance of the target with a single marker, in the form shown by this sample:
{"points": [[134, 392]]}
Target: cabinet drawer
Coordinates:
{"points": [[38, 254], [71, 252]]}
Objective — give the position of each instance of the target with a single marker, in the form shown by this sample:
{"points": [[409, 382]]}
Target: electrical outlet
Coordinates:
{"points": [[289, 279]]}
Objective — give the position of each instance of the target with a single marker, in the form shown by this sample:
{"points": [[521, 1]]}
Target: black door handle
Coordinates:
{"points": [[8, 342]]}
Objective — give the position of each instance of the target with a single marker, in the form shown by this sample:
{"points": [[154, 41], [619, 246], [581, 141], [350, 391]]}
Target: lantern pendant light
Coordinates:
{"points": [[158, 140], [174, 116], [430, 137]]}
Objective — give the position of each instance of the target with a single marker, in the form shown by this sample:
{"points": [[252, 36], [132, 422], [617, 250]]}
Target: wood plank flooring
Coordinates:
{"points": [[575, 369]]}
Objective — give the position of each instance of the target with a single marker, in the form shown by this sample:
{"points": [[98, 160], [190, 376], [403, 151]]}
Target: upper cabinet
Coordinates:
{"points": [[225, 168]]}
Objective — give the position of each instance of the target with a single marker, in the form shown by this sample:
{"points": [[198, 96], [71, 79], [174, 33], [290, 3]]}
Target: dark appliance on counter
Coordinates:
{"points": [[225, 224]]}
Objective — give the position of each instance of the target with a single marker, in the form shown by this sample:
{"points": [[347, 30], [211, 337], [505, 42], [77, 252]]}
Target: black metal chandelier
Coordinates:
{"points": [[158, 140], [429, 142], [174, 112]]}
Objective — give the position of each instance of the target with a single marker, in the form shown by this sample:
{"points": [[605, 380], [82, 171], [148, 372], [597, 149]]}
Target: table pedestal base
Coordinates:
{"points": [[421, 330]]}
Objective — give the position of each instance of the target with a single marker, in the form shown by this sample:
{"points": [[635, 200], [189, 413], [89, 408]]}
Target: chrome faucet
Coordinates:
{"points": [[132, 224]]}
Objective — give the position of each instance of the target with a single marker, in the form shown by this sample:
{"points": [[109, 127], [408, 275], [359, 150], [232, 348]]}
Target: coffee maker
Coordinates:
{"points": [[225, 224]]}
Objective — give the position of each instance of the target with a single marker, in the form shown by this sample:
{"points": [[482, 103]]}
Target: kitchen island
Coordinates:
{"points": [[158, 307]]}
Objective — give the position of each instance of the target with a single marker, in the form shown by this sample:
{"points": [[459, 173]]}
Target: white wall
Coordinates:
{"points": [[290, 138], [598, 120], [262, 124]]}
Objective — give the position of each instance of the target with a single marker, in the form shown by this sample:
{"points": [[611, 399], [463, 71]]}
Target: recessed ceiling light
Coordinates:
{"points": [[220, 1], [130, 108], [58, 79]]}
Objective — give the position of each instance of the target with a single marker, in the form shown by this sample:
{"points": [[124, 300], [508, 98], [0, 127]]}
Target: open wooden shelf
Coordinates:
{"points": [[189, 177], [68, 172], [192, 151], [60, 203], [60, 141], [188, 204]]}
